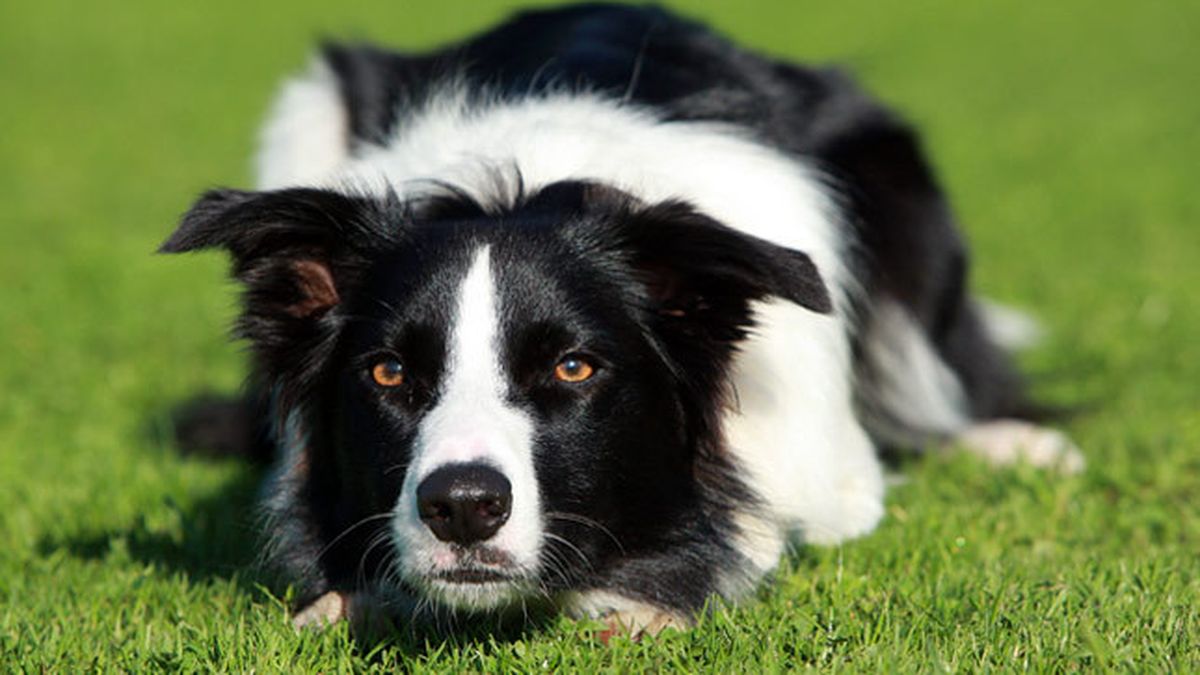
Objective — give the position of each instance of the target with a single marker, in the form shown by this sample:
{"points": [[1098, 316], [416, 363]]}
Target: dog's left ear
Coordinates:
{"points": [[699, 279], [703, 274]]}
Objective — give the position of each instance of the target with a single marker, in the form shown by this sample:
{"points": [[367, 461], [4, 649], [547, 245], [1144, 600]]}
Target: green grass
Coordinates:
{"points": [[1067, 133]]}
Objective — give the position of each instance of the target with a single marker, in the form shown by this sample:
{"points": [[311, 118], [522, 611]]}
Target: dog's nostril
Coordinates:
{"points": [[491, 508], [436, 510], [464, 503]]}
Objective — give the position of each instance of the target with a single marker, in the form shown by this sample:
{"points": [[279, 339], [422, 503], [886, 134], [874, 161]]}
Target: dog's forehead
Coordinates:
{"points": [[537, 273]]}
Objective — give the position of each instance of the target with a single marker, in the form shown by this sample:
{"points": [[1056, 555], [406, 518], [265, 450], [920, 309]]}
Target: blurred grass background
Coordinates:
{"points": [[1067, 134]]}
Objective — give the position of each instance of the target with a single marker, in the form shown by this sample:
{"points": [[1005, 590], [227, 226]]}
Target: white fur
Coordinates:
{"points": [[1010, 328], [1007, 442], [911, 387], [306, 136], [795, 434], [472, 422]]}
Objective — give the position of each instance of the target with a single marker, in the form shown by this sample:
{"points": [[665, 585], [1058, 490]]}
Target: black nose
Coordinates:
{"points": [[464, 503]]}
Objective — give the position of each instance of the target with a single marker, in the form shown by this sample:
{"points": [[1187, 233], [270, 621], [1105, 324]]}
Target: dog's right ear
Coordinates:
{"points": [[295, 250], [298, 254]]}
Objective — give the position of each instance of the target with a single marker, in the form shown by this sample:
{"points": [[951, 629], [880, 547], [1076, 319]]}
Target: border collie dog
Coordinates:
{"points": [[594, 307]]}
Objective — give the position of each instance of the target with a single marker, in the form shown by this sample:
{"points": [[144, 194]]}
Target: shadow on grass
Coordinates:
{"points": [[212, 539], [216, 539]]}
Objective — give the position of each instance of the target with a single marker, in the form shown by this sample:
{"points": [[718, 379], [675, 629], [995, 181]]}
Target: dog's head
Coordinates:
{"points": [[513, 400]]}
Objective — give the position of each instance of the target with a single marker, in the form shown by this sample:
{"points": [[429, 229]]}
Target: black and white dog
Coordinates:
{"points": [[594, 307]]}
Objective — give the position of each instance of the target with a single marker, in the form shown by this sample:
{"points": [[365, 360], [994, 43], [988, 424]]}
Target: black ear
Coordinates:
{"points": [[701, 272], [699, 279], [293, 249]]}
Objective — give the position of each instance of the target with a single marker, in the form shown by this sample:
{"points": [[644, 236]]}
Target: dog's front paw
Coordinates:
{"points": [[323, 612], [644, 621], [368, 616], [625, 616]]}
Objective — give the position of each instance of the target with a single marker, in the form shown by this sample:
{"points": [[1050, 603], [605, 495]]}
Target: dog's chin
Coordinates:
{"points": [[473, 579], [474, 588]]}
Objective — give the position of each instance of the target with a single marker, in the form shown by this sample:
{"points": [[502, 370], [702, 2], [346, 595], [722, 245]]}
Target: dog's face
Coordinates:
{"points": [[504, 403], [521, 399]]}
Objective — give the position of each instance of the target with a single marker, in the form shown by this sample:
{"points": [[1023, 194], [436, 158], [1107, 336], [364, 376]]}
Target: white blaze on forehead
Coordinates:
{"points": [[473, 422]]}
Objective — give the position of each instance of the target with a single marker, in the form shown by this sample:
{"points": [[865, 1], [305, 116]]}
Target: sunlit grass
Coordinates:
{"points": [[1066, 133]]}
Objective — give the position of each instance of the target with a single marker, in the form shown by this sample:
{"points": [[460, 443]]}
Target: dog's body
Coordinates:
{"points": [[597, 307]]}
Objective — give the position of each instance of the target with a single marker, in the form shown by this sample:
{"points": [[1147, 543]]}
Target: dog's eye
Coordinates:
{"points": [[388, 373], [573, 369]]}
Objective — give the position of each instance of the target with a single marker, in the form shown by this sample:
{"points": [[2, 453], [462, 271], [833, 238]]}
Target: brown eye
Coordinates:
{"points": [[388, 373], [573, 369]]}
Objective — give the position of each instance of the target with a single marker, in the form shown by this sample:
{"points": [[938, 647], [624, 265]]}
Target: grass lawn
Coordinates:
{"points": [[1068, 134]]}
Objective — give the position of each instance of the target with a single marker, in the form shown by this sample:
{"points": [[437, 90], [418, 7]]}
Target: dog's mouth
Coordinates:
{"points": [[475, 588], [475, 578], [473, 575]]}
